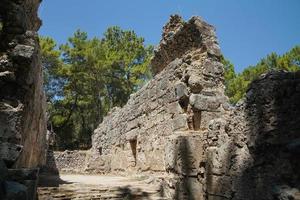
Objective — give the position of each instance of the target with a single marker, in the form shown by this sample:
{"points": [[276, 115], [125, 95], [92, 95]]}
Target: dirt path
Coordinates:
{"points": [[95, 187]]}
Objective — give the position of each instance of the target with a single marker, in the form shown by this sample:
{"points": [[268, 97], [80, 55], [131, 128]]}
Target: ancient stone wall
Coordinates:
{"points": [[22, 101], [181, 128], [257, 153], [66, 162], [163, 128]]}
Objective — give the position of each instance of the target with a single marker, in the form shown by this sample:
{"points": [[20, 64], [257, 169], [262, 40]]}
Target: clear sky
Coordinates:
{"points": [[247, 29]]}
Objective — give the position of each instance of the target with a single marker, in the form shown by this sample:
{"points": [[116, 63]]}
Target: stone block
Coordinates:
{"points": [[180, 122], [132, 135], [195, 83], [188, 188], [10, 152], [181, 90], [219, 186], [16, 191], [183, 154], [3, 177], [7, 76], [23, 174], [23, 52], [204, 103], [174, 108], [10, 122]]}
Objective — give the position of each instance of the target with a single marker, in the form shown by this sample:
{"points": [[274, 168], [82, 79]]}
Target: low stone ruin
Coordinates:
{"points": [[22, 100]]}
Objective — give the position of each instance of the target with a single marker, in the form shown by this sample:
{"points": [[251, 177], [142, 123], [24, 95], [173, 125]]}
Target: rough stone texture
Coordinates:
{"points": [[66, 162], [181, 130], [22, 101], [257, 153], [164, 126], [181, 125], [180, 37]]}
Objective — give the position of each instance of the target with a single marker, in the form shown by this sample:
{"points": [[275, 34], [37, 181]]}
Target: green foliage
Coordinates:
{"points": [[51, 62], [237, 84], [89, 77]]}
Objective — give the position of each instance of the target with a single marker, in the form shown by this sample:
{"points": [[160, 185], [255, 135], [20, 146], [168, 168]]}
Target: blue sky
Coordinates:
{"points": [[247, 29]]}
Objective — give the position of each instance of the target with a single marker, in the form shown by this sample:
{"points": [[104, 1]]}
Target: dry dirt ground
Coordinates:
{"points": [[94, 187]]}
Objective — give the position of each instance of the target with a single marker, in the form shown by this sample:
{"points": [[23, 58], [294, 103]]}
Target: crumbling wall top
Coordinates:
{"points": [[180, 37]]}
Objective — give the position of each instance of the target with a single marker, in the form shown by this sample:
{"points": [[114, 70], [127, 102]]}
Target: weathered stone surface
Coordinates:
{"points": [[23, 174], [132, 136], [180, 122], [181, 90], [204, 103], [184, 154], [22, 100], [10, 152], [23, 52], [67, 161], [15, 190], [259, 151], [195, 84], [179, 37]]}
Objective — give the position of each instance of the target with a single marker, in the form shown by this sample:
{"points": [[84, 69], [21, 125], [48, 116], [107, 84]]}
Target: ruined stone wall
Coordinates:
{"points": [[181, 128], [66, 162], [22, 100], [257, 153], [163, 128]]}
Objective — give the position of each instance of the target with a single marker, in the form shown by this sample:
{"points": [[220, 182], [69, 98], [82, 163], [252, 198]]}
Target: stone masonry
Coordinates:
{"points": [[256, 155], [22, 100], [164, 126], [180, 128]]}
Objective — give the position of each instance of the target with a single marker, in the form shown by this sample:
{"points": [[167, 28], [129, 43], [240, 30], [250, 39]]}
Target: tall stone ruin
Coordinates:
{"points": [[164, 126], [180, 128], [22, 100]]}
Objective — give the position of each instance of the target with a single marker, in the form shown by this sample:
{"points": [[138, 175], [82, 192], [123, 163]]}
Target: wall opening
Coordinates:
{"points": [[184, 104], [196, 120], [133, 144], [100, 151]]}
